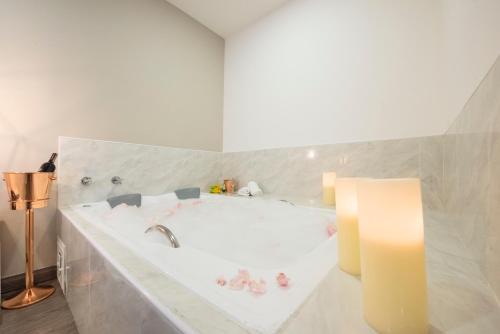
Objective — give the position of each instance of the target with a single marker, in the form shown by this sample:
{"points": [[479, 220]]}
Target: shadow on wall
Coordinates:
{"points": [[18, 142], [7, 238]]}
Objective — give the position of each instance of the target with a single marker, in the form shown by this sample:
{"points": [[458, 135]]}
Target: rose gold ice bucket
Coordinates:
{"points": [[28, 190]]}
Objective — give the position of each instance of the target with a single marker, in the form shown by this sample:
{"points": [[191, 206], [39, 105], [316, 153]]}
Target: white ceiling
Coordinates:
{"points": [[226, 17]]}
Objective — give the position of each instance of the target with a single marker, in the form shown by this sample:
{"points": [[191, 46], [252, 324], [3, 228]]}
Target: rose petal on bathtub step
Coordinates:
{"points": [[257, 287], [331, 230], [221, 281], [283, 280]]}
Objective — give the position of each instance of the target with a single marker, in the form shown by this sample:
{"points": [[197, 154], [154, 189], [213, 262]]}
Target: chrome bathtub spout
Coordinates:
{"points": [[168, 234], [285, 201]]}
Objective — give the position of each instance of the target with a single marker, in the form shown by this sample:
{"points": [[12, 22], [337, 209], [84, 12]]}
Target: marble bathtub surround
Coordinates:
{"points": [[347, 225], [144, 299], [328, 187]]}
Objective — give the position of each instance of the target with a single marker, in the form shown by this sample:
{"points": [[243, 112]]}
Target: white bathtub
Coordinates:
{"points": [[220, 235]]}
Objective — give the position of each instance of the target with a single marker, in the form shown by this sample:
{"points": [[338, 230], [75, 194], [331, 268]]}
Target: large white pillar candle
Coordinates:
{"points": [[347, 225], [392, 255], [329, 188]]}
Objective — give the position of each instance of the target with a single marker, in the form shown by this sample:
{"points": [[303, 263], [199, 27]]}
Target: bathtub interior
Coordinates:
{"points": [[257, 233], [220, 235]]}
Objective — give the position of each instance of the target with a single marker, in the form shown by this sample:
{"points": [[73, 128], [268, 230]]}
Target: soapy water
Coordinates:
{"points": [[252, 232]]}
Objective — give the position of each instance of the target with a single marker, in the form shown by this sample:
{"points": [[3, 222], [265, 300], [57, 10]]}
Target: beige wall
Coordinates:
{"points": [[128, 70]]}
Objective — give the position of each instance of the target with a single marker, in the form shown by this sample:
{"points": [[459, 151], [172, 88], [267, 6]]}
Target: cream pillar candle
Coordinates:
{"points": [[329, 188], [392, 255], [347, 225]]}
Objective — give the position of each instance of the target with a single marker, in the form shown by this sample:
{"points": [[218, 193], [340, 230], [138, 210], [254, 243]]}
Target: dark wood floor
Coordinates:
{"points": [[52, 316]]}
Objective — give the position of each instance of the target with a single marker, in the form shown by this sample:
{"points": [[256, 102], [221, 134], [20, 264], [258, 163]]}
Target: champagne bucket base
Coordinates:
{"points": [[28, 297]]}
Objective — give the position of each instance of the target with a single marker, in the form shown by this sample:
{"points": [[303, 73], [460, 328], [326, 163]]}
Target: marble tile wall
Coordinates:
{"points": [[471, 183], [298, 171], [286, 171], [143, 168]]}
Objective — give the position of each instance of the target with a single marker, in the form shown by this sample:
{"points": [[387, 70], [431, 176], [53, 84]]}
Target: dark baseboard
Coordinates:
{"points": [[13, 284]]}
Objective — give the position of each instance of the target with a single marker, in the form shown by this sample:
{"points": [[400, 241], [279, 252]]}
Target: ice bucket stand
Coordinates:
{"points": [[28, 191]]}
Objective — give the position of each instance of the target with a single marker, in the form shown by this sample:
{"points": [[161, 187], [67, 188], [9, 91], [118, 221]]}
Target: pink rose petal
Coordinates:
{"points": [[331, 230], [236, 284], [221, 281], [282, 280], [257, 287], [244, 275], [240, 280]]}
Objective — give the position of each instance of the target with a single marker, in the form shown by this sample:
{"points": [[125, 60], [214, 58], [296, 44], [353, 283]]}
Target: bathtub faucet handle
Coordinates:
{"points": [[86, 180], [116, 180]]}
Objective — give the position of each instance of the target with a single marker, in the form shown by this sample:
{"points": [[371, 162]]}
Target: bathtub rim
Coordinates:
{"points": [[179, 321]]}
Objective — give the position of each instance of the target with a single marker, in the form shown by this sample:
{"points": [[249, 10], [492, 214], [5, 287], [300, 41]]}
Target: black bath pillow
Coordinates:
{"points": [[188, 193], [129, 199]]}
